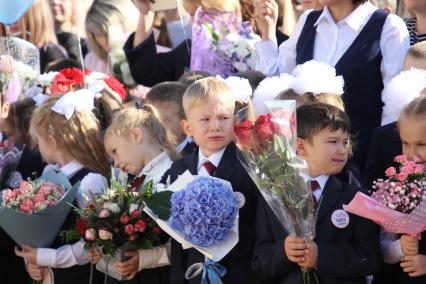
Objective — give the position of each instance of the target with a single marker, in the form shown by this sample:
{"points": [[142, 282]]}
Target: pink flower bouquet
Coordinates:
{"points": [[34, 212], [398, 202]]}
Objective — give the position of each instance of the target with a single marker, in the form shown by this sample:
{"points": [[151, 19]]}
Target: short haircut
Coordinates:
{"points": [[417, 51], [416, 108], [58, 65], [254, 77], [326, 98], [168, 92], [315, 117], [203, 90], [190, 77]]}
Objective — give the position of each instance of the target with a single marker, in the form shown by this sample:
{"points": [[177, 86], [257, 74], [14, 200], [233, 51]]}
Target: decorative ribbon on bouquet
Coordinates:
{"points": [[211, 272]]}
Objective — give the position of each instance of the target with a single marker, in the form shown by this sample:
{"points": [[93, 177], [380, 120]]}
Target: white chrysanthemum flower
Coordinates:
{"points": [[400, 91], [316, 77]]}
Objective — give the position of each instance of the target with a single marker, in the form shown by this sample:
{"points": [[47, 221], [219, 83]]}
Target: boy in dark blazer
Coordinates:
{"points": [[346, 247], [209, 108]]}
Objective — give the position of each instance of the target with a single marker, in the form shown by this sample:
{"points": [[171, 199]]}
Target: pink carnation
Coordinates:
{"points": [[402, 176], [135, 213], [129, 229], [8, 195], [390, 171], [400, 159], [140, 226], [27, 206], [124, 219], [419, 169], [39, 198]]}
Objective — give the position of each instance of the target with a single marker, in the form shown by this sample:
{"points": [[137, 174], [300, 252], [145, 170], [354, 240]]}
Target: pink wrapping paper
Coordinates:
{"points": [[391, 220]]}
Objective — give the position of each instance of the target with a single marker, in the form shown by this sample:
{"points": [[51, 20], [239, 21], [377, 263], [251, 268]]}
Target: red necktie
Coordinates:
{"points": [[136, 183], [314, 186], [209, 167]]}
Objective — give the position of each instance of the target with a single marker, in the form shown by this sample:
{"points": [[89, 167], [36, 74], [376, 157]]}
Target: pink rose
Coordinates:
{"points": [[39, 198], [45, 189], [402, 176], [400, 159], [140, 226], [129, 229], [27, 206], [104, 213], [124, 219], [24, 185], [105, 234], [8, 195], [390, 171], [90, 234], [135, 213]]}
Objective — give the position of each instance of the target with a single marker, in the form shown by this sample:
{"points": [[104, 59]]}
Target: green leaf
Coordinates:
{"points": [[160, 204], [146, 189], [146, 244]]}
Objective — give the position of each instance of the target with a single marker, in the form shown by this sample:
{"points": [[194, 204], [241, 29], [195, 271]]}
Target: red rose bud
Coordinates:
{"points": [[245, 134], [129, 229], [264, 128], [140, 226], [156, 230], [124, 219], [134, 213], [81, 226]]}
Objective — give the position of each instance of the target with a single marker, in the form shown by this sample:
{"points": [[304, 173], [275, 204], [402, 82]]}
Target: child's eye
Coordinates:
{"points": [[204, 119], [114, 151]]}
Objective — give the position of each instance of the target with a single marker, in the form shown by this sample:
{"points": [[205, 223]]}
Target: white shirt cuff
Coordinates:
{"points": [[267, 57], [46, 257], [154, 257]]}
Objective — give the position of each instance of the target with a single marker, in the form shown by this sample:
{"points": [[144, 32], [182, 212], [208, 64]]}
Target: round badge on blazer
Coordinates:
{"points": [[340, 218]]}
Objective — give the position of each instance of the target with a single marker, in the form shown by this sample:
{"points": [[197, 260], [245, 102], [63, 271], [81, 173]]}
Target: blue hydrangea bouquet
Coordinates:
{"points": [[203, 215]]}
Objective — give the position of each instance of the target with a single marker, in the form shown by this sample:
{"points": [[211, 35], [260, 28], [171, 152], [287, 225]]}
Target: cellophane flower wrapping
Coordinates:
{"points": [[398, 203], [267, 152], [19, 67]]}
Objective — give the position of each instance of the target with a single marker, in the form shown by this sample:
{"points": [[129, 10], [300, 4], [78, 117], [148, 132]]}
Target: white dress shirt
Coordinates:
{"points": [[333, 39], [72, 254], [214, 159], [390, 245], [322, 180]]}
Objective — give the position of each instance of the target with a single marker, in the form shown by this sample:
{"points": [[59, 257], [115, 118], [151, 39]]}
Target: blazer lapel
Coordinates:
{"points": [[226, 166], [331, 194], [191, 162]]}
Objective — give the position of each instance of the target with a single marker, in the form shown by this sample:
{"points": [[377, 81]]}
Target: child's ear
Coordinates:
{"points": [[137, 135], [186, 128], [5, 110], [300, 147]]}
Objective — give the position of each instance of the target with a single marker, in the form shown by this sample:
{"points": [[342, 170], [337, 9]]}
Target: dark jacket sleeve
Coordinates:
{"points": [[149, 67], [269, 260], [375, 165]]}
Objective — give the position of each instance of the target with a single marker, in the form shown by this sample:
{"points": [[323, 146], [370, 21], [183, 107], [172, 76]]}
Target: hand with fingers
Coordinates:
{"points": [[296, 249], [414, 265], [94, 255], [36, 272], [142, 6], [409, 244], [28, 252], [130, 267], [267, 17]]}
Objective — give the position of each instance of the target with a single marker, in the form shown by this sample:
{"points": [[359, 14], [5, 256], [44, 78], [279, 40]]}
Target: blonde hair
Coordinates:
{"points": [[37, 24], [146, 118], [331, 99], [201, 91], [78, 136], [223, 5], [105, 13], [417, 51], [416, 108]]}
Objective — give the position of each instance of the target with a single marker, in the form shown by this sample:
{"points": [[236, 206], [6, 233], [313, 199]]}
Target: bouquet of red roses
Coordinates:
{"points": [[268, 152], [398, 202]]}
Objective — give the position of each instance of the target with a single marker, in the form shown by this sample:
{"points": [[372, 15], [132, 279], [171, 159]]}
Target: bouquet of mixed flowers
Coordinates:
{"points": [[203, 215], [235, 48], [116, 223], [19, 67], [117, 58], [268, 154], [34, 212], [398, 203]]}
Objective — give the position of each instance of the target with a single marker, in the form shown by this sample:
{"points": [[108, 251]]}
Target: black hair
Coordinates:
{"points": [[58, 65], [314, 117]]}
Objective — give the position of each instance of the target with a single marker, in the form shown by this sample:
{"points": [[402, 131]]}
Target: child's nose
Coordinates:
{"points": [[214, 124]]}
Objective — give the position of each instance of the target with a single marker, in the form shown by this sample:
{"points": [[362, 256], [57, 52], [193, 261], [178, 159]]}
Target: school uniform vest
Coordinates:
{"points": [[76, 273], [360, 68]]}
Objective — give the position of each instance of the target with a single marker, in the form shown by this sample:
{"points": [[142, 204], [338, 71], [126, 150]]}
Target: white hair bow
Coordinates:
{"points": [[240, 87], [71, 102], [316, 77], [400, 91]]}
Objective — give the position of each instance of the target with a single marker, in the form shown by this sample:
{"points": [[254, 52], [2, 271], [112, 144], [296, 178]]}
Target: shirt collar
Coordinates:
{"points": [[149, 169], [355, 20], [182, 145], [322, 179], [71, 168], [214, 158]]}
